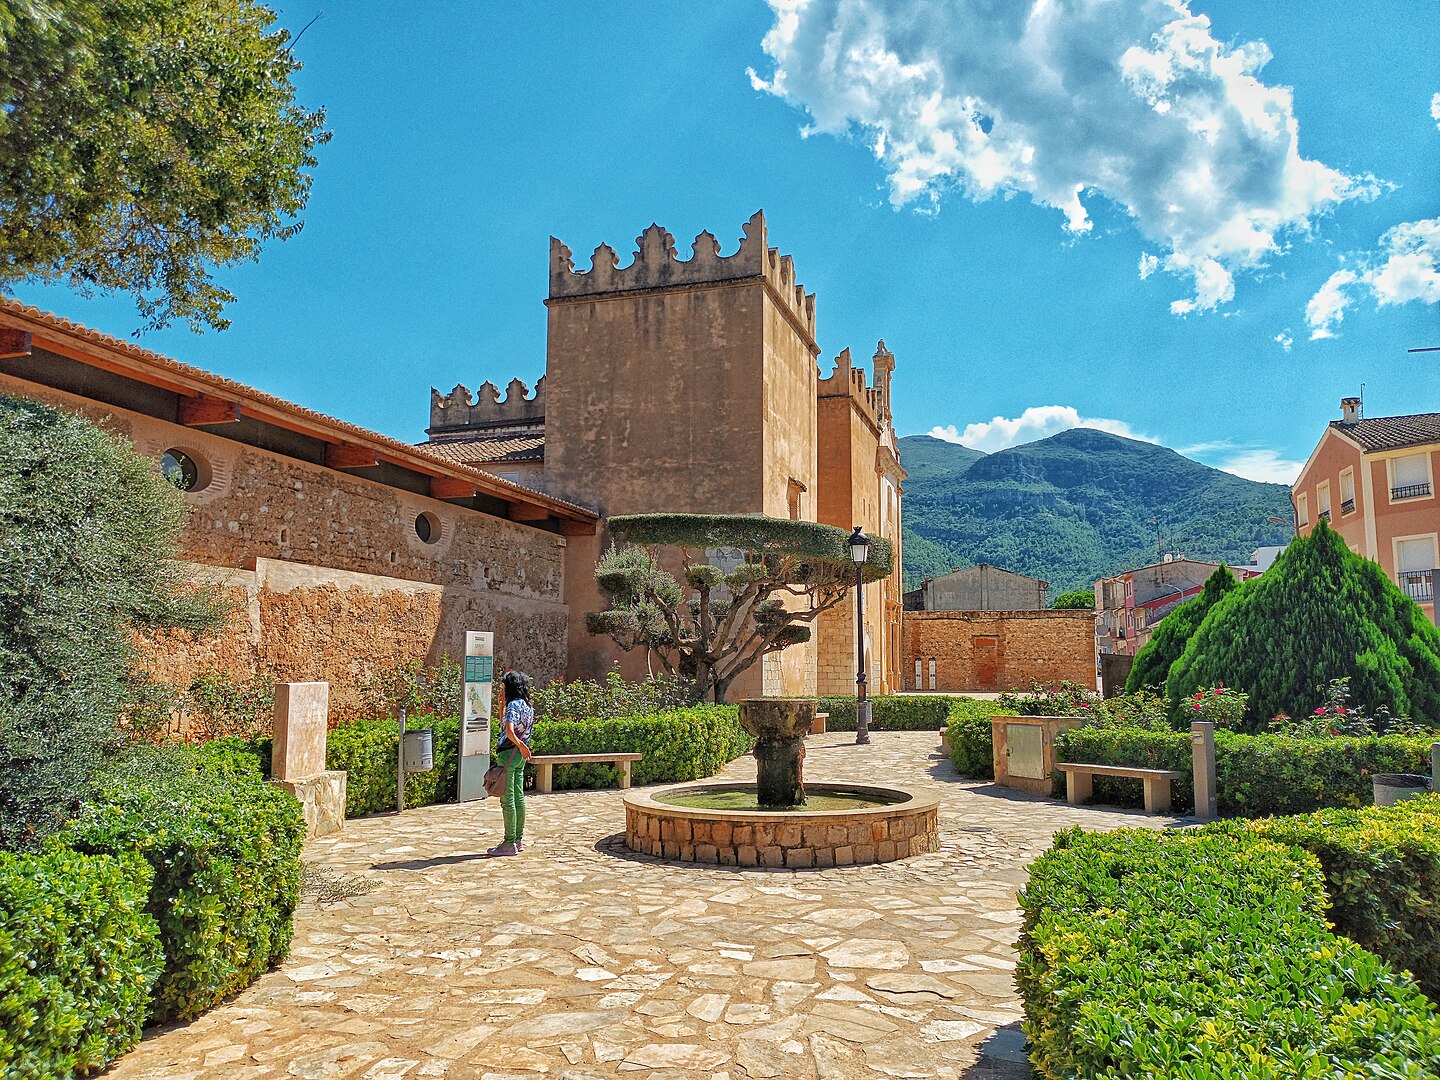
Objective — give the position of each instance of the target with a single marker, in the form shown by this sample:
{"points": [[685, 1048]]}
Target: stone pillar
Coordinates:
{"points": [[779, 726], [1202, 754], [297, 755]]}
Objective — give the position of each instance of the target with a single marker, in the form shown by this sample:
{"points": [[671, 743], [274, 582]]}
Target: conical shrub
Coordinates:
{"points": [[1153, 662], [1320, 613]]}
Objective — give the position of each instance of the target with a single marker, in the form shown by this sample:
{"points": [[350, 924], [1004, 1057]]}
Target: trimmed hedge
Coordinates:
{"points": [[78, 956], [225, 852], [1204, 955], [368, 750], [1382, 876], [972, 737], [892, 712], [1256, 775]]}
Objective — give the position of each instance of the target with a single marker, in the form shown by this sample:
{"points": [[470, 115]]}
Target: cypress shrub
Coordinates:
{"points": [[1153, 662], [1320, 613]]}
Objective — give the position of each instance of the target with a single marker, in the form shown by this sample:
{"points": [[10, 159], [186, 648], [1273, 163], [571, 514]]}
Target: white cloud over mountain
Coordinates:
{"points": [[1036, 422], [1404, 267], [1066, 101]]}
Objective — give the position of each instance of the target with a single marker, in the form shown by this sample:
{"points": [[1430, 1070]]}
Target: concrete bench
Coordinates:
{"points": [[818, 727], [1079, 782], [545, 766]]}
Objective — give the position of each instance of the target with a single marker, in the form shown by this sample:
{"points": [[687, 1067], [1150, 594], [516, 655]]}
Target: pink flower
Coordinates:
{"points": [[1318, 712], [1222, 684]]}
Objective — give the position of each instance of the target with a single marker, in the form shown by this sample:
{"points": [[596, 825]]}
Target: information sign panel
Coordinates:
{"points": [[475, 715]]}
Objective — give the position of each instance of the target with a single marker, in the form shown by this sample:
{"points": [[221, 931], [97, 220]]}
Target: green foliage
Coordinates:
{"points": [[1321, 612], [1078, 506], [1382, 876], [614, 696], [87, 537], [1204, 955], [972, 741], [416, 687], [78, 956], [899, 712], [1067, 699], [1338, 717], [146, 142], [1075, 600], [1218, 705], [368, 751], [1256, 775], [1167, 642], [225, 852], [709, 625]]}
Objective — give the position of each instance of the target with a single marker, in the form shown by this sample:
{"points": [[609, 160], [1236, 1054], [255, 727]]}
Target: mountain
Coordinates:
{"points": [[1075, 507]]}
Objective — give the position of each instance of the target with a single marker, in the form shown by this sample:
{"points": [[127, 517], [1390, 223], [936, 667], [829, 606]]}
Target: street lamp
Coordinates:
{"points": [[860, 555]]}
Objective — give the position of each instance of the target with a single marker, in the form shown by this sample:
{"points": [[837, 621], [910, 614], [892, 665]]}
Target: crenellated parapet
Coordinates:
{"points": [[460, 411], [847, 380], [657, 265]]}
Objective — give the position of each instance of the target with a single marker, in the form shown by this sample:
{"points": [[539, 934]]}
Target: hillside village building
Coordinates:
{"points": [[980, 588], [691, 386], [681, 386], [1373, 480], [1129, 606]]}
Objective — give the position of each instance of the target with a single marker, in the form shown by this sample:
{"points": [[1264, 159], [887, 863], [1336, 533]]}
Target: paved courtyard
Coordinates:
{"points": [[578, 959]]}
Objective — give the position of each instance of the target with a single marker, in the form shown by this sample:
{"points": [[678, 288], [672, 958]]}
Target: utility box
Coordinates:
{"points": [[419, 753], [1025, 750]]}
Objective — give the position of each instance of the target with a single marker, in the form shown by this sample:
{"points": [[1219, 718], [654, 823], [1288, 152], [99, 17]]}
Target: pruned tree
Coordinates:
{"points": [[707, 622]]}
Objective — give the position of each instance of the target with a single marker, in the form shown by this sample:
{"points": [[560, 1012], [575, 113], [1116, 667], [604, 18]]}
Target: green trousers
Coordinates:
{"points": [[512, 800]]}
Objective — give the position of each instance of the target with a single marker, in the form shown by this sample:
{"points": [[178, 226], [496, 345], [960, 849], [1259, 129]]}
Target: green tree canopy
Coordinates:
{"points": [[87, 534], [1153, 662], [144, 142], [1075, 600], [1321, 612], [709, 623]]}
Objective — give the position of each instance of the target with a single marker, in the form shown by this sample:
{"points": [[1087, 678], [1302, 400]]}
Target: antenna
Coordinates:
{"points": [[1362, 399]]}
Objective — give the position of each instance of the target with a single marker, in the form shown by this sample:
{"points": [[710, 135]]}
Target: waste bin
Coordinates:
{"points": [[1390, 788], [420, 750]]}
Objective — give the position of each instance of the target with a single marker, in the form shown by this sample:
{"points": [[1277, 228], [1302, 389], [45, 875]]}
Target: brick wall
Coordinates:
{"points": [[999, 650]]}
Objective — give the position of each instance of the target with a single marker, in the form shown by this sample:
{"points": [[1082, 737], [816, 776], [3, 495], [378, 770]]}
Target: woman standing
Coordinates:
{"points": [[513, 752]]}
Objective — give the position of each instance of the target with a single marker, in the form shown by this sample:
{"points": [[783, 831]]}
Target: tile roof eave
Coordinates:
{"points": [[47, 327]]}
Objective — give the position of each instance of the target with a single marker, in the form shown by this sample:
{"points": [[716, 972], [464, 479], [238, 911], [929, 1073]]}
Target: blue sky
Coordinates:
{"points": [[916, 159]]}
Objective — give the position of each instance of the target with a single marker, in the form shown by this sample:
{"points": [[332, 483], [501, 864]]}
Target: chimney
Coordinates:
{"points": [[1349, 411]]}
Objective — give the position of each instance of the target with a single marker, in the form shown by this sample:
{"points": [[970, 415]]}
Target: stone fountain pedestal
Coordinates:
{"points": [[779, 727]]}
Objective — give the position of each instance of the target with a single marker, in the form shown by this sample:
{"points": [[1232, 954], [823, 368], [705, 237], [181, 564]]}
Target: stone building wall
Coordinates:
{"points": [[984, 588], [999, 650], [329, 577]]}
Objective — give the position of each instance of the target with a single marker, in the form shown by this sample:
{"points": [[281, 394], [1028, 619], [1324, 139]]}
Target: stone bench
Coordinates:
{"points": [[545, 766], [1079, 782]]}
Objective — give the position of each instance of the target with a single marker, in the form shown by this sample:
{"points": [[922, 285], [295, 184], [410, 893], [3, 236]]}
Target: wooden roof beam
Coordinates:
{"points": [[203, 409], [527, 512], [14, 343], [446, 487], [349, 456]]}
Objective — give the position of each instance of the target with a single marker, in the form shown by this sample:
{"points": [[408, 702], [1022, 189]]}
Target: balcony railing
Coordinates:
{"points": [[1324, 515], [1410, 491], [1348, 506], [1419, 585]]}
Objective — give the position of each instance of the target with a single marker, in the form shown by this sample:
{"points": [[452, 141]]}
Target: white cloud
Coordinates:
{"points": [[1404, 267], [1036, 422], [1285, 340], [1067, 100], [1264, 465]]}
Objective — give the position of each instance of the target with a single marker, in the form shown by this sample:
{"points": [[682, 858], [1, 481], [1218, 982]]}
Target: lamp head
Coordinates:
{"points": [[859, 546]]}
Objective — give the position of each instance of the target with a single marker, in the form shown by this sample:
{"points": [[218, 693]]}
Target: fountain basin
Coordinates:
{"points": [[904, 823]]}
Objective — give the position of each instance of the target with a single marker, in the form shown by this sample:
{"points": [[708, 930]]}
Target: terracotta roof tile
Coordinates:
{"points": [[476, 451], [1392, 432], [47, 320]]}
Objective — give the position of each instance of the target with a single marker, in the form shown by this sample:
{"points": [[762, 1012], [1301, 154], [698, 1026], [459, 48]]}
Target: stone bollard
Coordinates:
{"points": [[1202, 754], [297, 755]]}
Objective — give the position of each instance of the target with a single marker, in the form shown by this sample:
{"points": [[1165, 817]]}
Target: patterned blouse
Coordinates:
{"points": [[521, 716]]}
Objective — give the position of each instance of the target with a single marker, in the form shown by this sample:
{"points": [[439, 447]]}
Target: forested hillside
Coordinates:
{"points": [[1076, 506]]}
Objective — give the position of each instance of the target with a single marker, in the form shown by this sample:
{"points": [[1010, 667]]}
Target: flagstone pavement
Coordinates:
{"points": [[578, 959]]}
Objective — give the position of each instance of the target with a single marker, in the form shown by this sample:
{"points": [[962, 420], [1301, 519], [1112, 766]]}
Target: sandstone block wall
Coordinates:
{"points": [[999, 650]]}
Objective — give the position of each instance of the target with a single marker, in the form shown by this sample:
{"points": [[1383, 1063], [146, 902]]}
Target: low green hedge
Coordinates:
{"points": [[972, 742], [1382, 876], [1205, 955], [367, 751], [78, 956], [225, 852], [891, 712], [1256, 775]]}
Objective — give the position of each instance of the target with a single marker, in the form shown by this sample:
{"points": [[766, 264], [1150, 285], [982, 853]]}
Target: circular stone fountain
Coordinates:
{"points": [[780, 820]]}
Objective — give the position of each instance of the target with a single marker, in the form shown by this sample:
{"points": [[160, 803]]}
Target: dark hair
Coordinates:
{"points": [[517, 685]]}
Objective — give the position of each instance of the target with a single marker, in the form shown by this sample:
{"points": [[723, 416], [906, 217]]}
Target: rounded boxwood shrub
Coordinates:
{"points": [[225, 852], [78, 957]]}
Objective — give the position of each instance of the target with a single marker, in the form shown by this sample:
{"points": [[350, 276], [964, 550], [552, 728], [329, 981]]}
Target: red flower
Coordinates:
{"points": [[1317, 712], [1196, 706], [1222, 684]]}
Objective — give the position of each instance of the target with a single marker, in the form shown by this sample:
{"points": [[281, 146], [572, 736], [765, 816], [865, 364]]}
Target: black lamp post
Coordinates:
{"points": [[860, 555]]}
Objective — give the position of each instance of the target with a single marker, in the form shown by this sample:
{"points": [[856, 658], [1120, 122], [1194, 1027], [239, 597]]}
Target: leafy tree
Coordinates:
{"points": [[709, 623], [87, 533], [1153, 662], [1075, 600], [1320, 613], [144, 142]]}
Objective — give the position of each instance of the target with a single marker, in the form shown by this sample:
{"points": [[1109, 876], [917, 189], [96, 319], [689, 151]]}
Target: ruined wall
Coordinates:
{"points": [[984, 588], [328, 574], [999, 650]]}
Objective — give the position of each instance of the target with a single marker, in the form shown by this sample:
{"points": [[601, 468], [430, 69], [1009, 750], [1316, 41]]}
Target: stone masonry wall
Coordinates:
{"points": [[1028, 646]]}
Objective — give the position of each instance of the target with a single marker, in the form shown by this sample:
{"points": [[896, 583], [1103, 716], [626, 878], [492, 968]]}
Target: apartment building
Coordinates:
{"points": [[1128, 606]]}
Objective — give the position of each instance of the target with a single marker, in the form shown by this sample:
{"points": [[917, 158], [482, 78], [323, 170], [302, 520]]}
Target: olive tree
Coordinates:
{"points": [[710, 618]]}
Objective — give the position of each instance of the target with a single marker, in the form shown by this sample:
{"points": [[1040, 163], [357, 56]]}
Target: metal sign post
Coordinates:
{"points": [[475, 717]]}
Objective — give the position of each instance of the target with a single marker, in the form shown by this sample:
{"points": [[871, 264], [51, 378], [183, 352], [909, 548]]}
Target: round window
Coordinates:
{"points": [[427, 528], [180, 469]]}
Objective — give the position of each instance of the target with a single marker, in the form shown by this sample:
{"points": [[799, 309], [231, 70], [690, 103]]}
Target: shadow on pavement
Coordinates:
{"points": [[1002, 1057], [426, 864]]}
